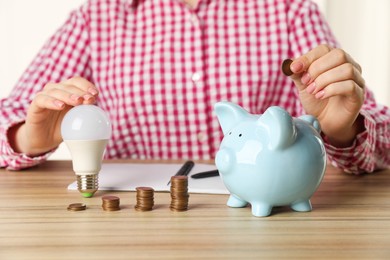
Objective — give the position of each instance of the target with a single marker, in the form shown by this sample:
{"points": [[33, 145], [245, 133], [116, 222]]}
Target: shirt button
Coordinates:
{"points": [[202, 137], [196, 76]]}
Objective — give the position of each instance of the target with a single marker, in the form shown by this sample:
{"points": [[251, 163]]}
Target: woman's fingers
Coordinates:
{"points": [[347, 88], [320, 59], [56, 99], [324, 66], [303, 63], [83, 84], [72, 92], [329, 61], [341, 73]]}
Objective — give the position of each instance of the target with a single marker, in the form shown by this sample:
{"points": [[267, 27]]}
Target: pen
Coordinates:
{"points": [[207, 174], [184, 170]]}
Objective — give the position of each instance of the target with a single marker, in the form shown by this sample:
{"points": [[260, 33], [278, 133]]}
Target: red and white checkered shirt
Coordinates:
{"points": [[161, 66]]}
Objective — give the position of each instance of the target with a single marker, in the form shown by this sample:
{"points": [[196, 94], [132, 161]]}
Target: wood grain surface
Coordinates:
{"points": [[350, 220]]}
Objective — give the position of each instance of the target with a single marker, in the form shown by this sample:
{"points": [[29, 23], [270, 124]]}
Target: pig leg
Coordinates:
{"points": [[304, 205], [260, 209], [236, 202]]}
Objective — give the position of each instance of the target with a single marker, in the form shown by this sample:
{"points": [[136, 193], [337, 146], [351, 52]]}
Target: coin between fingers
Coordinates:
{"points": [[286, 67]]}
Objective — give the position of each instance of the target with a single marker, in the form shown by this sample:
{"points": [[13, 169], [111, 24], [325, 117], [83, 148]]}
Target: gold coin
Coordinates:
{"points": [[286, 67], [110, 198], [110, 203], [179, 193], [77, 207], [145, 199]]}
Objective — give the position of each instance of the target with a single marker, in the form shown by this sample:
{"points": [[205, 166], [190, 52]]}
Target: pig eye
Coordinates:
{"points": [[230, 133], [239, 135]]}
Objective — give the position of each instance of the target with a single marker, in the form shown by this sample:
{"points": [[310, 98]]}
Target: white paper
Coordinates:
{"points": [[128, 176]]}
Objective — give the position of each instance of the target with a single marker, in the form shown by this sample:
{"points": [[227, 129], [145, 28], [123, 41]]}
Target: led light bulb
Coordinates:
{"points": [[86, 130]]}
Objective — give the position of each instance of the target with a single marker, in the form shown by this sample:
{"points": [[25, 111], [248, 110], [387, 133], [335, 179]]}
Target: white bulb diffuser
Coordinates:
{"points": [[86, 130]]}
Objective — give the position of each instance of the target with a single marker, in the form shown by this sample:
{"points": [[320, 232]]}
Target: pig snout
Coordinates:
{"points": [[224, 160]]}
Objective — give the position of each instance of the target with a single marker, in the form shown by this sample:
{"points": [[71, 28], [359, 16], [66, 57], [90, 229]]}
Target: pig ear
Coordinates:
{"points": [[312, 121], [229, 115], [279, 125]]}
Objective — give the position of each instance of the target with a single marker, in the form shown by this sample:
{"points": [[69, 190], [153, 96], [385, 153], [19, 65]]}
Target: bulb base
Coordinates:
{"points": [[88, 184]]}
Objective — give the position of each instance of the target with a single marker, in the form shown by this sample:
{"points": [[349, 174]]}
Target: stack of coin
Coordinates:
{"points": [[179, 193], [145, 198], [77, 207], [110, 203]]}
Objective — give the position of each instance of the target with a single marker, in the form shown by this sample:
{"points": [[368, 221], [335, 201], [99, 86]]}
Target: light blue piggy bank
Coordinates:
{"points": [[269, 160]]}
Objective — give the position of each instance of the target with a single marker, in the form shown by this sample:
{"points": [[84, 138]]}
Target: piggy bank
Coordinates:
{"points": [[269, 160]]}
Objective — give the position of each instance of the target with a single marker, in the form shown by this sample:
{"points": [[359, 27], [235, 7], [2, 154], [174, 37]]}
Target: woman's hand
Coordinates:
{"points": [[41, 132], [331, 88]]}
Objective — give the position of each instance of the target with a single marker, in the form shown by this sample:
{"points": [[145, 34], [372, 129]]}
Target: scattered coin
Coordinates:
{"points": [[145, 199], [179, 193], [77, 207], [286, 67], [110, 203]]}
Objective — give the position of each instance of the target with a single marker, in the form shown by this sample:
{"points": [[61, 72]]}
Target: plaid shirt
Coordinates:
{"points": [[161, 66]]}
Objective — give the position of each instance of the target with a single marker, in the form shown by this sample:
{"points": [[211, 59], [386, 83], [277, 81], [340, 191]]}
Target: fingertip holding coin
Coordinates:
{"points": [[286, 67]]}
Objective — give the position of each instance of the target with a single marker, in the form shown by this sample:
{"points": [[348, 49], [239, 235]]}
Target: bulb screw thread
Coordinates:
{"points": [[88, 184]]}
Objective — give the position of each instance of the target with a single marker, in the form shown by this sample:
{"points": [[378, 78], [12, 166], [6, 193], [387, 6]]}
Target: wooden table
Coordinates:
{"points": [[350, 220]]}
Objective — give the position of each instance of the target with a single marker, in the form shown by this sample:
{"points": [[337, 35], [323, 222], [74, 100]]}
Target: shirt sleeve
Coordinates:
{"points": [[65, 55], [369, 151]]}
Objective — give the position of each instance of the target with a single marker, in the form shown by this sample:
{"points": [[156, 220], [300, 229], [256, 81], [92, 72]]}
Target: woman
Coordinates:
{"points": [[157, 68]]}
